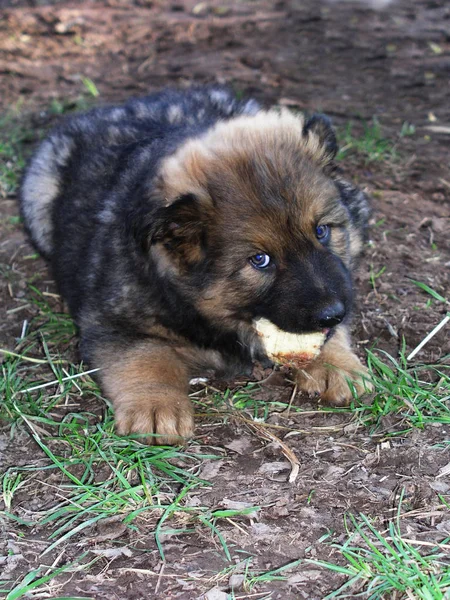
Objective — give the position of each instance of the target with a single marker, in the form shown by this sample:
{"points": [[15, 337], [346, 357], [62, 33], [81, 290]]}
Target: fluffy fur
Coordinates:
{"points": [[149, 214]]}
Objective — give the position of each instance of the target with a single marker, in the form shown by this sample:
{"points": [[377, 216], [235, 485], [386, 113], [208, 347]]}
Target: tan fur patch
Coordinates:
{"points": [[355, 242], [275, 131], [148, 385], [340, 245]]}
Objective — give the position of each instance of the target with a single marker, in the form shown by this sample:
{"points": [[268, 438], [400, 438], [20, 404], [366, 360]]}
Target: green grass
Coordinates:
{"points": [[37, 578], [370, 144], [253, 579], [84, 101], [388, 565], [100, 475], [416, 395], [14, 135], [103, 474], [18, 133]]}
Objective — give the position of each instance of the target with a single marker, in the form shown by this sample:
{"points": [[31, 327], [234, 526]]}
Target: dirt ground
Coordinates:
{"points": [[354, 63]]}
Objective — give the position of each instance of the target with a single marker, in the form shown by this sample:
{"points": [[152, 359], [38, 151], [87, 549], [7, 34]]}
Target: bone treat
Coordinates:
{"points": [[289, 349]]}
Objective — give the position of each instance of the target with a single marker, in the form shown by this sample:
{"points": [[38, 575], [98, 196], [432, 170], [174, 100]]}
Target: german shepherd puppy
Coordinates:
{"points": [[174, 221]]}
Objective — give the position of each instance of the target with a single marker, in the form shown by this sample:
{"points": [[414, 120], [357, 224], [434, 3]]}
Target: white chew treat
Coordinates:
{"points": [[290, 349]]}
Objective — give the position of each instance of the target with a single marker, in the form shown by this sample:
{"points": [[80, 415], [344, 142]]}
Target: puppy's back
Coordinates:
{"points": [[89, 150]]}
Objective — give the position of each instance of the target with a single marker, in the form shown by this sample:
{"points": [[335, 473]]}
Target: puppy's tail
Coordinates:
{"points": [[41, 186]]}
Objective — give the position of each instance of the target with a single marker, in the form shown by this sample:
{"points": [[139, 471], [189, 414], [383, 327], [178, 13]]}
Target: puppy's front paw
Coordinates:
{"points": [[333, 377], [167, 419], [148, 385]]}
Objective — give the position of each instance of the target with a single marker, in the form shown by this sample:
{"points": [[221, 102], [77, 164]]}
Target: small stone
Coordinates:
{"points": [[236, 581], [201, 9], [216, 594]]}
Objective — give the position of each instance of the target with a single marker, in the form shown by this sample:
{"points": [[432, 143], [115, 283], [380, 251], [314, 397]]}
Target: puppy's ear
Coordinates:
{"points": [[320, 125], [181, 228]]}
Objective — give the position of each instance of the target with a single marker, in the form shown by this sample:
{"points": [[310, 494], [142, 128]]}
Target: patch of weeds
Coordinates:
{"points": [[100, 475], [414, 395], [14, 135], [417, 395], [55, 327], [444, 321], [375, 275], [38, 581], [48, 333], [84, 101], [407, 130], [18, 131], [63, 106], [245, 399], [253, 579], [250, 578], [104, 474], [386, 565], [212, 402], [371, 145]]}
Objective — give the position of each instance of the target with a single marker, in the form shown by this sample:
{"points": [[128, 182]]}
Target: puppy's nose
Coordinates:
{"points": [[331, 315]]}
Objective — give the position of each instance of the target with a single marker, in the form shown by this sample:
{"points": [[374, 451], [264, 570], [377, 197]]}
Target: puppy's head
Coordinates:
{"points": [[255, 224]]}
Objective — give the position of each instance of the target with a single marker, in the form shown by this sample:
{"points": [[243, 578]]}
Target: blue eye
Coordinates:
{"points": [[322, 233], [260, 260]]}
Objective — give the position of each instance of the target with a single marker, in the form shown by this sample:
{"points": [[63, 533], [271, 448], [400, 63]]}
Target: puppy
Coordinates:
{"points": [[173, 222]]}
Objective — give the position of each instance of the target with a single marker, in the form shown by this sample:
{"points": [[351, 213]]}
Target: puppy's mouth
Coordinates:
{"points": [[327, 332]]}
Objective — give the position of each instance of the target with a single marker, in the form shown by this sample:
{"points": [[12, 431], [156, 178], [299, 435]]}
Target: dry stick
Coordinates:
{"points": [[150, 572], [247, 596], [267, 435], [56, 381], [294, 393], [438, 128], [422, 543], [443, 471], [45, 362], [283, 427], [236, 525], [429, 336], [161, 573]]}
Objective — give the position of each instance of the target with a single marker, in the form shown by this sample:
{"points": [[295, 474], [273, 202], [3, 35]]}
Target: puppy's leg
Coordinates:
{"points": [[148, 386], [329, 373]]}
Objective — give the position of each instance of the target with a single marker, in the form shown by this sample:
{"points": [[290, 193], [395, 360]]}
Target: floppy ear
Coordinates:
{"points": [[180, 228], [321, 126]]}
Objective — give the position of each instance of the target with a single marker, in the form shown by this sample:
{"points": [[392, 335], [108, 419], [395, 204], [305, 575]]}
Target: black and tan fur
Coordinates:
{"points": [[149, 213]]}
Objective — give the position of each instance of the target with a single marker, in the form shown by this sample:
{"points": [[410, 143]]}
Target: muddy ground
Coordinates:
{"points": [[353, 63]]}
